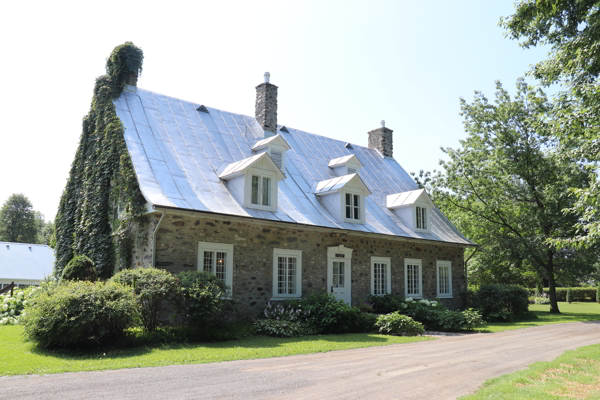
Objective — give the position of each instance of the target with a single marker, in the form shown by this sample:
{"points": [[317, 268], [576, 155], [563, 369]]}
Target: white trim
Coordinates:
{"points": [[438, 264], [331, 257], [217, 247], [298, 286], [388, 274], [248, 189], [427, 217], [361, 210], [419, 263]]}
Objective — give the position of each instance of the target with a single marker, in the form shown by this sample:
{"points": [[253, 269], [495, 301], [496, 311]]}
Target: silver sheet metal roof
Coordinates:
{"points": [[177, 151], [24, 261]]}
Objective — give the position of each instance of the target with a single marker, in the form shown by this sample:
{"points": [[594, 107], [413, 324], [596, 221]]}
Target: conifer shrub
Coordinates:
{"points": [[569, 295], [153, 289], [80, 314], [80, 268]]}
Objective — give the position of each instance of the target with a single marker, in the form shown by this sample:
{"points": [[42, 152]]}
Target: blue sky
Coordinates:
{"points": [[341, 67]]}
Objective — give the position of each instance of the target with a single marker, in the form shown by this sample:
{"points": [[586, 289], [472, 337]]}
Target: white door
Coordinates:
{"points": [[339, 280]]}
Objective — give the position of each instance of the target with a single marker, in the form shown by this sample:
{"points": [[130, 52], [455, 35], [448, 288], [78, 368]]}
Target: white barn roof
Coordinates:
{"points": [[24, 261], [178, 152]]}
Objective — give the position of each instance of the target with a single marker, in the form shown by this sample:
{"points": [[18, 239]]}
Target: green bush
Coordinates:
{"points": [[500, 302], [282, 328], [398, 324], [80, 314], [455, 320], [201, 297], [153, 287], [324, 313], [598, 294], [80, 268], [385, 304], [360, 322], [579, 293], [569, 295]]}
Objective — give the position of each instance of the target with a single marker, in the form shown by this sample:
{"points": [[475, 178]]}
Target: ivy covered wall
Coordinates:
{"points": [[102, 183]]}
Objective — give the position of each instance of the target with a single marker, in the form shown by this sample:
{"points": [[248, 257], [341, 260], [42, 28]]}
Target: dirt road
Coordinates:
{"points": [[441, 369]]}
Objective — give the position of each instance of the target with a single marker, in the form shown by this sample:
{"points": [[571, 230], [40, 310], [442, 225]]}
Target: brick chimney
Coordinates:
{"points": [[381, 139], [266, 106]]}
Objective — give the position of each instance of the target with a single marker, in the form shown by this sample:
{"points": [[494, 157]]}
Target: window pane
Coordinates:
{"points": [[356, 207], [423, 217], [281, 275], [444, 279], [254, 199], [266, 189], [208, 261], [291, 275], [348, 199], [220, 265]]}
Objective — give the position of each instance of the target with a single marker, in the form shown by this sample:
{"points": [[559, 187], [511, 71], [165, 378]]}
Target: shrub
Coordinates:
{"points": [[153, 287], [598, 294], [282, 328], [398, 324], [11, 308], [579, 293], [386, 304], [500, 302], [201, 297], [569, 295], [455, 320], [324, 313], [80, 314], [540, 300], [360, 322], [80, 268]]}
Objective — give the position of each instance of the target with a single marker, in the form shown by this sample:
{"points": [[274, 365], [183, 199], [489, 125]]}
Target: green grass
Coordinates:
{"points": [[575, 374], [574, 312], [19, 357]]}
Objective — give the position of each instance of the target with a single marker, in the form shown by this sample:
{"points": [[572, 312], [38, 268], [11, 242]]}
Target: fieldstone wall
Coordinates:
{"points": [[178, 237], [142, 235], [265, 108], [381, 139]]}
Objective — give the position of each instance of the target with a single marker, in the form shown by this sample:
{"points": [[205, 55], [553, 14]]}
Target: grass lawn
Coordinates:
{"points": [[575, 374], [18, 357], [574, 312]]}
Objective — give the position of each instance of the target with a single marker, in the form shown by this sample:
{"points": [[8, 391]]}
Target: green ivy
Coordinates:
{"points": [[101, 177]]}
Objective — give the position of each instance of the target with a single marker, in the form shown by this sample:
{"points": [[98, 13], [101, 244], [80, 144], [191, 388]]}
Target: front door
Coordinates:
{"points": [[339, 279]]}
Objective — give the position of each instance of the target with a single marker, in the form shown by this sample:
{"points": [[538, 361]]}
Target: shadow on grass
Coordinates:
{"points": [[120, 350]]}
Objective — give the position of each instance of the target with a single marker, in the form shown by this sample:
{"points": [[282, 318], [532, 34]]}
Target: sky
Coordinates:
{"points": [[341, 68]]}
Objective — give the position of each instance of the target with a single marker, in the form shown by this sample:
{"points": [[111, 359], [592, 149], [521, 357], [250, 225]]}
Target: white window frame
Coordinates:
{"points": [[413, 261], [448, 264], [248, 189], [427, 218], [361, 209], [388, 268], [222, 248], [298, 286]]}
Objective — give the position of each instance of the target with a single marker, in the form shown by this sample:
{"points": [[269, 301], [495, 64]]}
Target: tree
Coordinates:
{"points": [[572, 29], [18, 220], [509, 184]]}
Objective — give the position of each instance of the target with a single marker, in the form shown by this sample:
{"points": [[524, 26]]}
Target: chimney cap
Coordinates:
{"points": [[383, 123], [267, 76]]}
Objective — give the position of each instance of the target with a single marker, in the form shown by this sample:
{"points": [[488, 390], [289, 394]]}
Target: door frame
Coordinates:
{"points": [[332, 255]]}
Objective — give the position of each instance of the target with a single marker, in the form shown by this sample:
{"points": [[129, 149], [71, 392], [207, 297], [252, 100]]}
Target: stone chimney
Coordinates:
{"points": [[381, 139], [266, 106]]}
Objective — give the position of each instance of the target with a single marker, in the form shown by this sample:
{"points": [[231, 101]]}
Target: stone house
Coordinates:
{"points": [[277, 212]]}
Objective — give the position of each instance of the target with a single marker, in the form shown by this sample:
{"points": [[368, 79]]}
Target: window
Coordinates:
{"points": [[351, 170], [421, 218], [217, 259], [353, 206], [381, 282], [444, 279], [261, 190], [413, 278], [287, 273]]}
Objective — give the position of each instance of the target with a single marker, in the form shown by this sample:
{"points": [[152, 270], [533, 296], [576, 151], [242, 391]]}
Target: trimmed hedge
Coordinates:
{"points": [[500, 302], [579, 293], [80, 268]]}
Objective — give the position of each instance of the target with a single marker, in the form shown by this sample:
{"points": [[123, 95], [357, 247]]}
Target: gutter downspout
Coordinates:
{"points": [[154, 237]]}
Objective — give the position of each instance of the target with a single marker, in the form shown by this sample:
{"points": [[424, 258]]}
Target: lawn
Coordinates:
{"points": [[575, 374], [18, 357], [574, 312]]}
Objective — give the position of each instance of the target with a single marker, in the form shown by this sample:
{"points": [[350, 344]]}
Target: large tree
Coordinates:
{"points": [[509, 184], [18, 221], [572, 29]]}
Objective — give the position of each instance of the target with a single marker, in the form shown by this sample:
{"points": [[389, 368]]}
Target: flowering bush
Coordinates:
{"points": [[282, 328], [12, 308]]}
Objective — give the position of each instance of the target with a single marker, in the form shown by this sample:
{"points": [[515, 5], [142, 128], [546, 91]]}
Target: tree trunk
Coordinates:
{"points": [[552, 288]]}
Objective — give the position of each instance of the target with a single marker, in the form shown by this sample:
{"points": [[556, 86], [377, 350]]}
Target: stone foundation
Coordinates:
{"points": [[178, 237]]}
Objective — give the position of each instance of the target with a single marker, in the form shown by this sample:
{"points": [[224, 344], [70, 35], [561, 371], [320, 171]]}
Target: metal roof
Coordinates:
{"points": [[336, 184], [236, 168], [276, 140], [404, 199], [24, 261], [178, 154], [352, 159]]}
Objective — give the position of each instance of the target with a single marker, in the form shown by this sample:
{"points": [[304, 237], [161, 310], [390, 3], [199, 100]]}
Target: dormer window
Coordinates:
{"points": [[413, 208], [344, 197], [275, 147], [253, 181], [346, 165]]}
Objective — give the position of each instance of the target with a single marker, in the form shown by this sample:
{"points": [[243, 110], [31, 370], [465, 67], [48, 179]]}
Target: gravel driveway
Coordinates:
{"points": [[441, 369]]}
